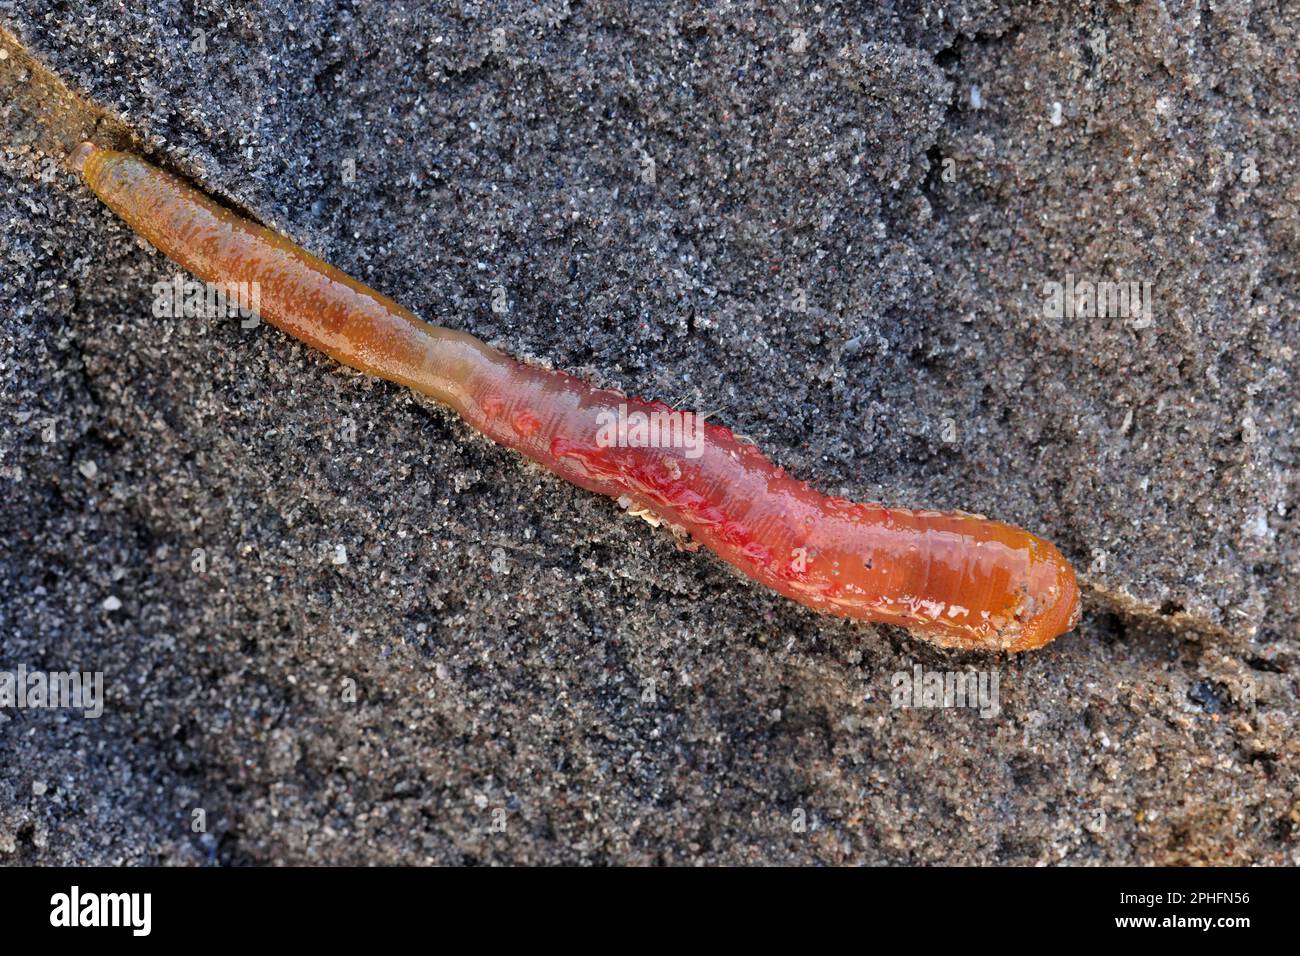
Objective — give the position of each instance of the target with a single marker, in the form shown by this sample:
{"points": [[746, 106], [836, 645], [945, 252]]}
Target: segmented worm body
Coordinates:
{"points": [[958, 579]]}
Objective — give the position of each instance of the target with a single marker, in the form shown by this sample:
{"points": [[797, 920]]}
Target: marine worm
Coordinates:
{"points": [[958, 579]]}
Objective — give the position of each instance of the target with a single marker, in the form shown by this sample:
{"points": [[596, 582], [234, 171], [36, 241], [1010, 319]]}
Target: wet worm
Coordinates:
{"points": [[957, 579]]}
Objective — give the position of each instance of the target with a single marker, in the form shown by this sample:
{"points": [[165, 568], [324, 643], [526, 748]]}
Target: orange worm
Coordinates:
{"points": [[958, 579]]}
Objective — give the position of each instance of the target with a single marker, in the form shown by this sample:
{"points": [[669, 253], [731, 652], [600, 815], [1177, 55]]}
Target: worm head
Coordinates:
{"points": [[1052, 600]]}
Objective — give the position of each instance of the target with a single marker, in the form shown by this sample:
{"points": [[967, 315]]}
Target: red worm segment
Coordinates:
{"points": [[960, 580]]}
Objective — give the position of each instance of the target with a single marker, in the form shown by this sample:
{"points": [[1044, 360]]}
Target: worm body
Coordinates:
{"points": [[958, 579]]}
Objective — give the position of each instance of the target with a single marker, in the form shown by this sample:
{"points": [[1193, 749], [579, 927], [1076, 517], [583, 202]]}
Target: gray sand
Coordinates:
{"points": [[834, 228]]}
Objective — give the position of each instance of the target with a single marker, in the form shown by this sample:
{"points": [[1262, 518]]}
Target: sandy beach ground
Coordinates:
{"points": [[334, 625]]}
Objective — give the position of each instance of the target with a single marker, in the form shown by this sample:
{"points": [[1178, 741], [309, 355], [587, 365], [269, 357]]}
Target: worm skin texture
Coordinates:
{"points": [[957, 579]]}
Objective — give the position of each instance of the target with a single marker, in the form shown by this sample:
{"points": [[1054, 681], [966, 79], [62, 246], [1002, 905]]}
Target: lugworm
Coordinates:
{"points": [[958, 579]]}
